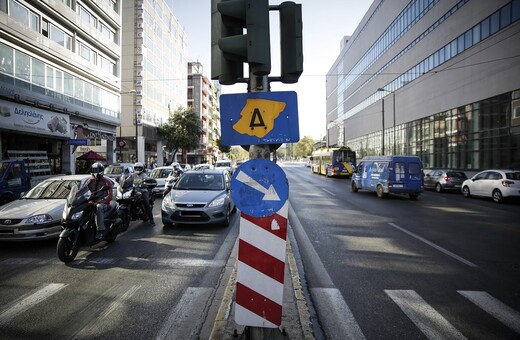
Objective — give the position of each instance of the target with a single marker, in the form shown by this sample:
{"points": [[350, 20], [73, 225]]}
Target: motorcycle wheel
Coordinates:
{"points": [[68, 247], [111, 236]]}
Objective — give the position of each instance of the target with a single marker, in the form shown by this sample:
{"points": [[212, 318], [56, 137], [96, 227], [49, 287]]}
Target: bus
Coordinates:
{"points": [[338, 162]]}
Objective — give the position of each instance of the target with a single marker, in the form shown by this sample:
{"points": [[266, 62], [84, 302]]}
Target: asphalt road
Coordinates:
{"points": [[440, 267]]}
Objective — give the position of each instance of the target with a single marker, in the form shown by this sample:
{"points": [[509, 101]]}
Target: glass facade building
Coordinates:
{"points": [[430, 78]]}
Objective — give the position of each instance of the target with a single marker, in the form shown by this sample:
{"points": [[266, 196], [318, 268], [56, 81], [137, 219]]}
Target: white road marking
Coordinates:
{"points": [[180, 319], [428, 320], [439, 248], [328, 192], [23, 304], [338, 314], [502, 312]]}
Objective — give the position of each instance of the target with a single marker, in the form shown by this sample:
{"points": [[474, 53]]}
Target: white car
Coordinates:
{"points": [[37, 214], [224, 164], [497, 184]]}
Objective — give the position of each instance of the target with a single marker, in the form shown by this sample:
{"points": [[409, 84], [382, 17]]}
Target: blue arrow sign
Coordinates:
{"points": [[259, 188], [259, 118]]}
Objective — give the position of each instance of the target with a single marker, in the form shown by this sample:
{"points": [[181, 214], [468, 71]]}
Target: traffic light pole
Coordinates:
{"points": [[260, 84]]}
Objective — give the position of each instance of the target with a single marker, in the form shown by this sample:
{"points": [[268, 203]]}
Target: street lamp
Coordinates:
{"points": [[383, 114]]}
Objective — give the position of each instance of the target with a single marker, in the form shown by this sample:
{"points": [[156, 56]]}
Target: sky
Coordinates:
{"points": [[325, 23]]}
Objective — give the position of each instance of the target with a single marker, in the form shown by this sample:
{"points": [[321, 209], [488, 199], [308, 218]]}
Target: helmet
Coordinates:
{"points": [[97, 169], [175, 165], [138, 168], [127, 170]]}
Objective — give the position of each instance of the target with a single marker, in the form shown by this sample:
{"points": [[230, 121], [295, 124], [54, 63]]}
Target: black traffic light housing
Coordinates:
{"points": [[230, 47], [291, 41]]}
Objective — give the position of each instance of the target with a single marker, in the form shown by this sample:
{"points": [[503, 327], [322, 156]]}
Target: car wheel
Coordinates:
{"points": [[497, 196], [354, 187], [228, 217], [438, 187], [380, 192], [167, 223], [465, 192]]}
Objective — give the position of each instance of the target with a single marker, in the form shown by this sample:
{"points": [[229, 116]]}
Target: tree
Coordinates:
{"points": [[182, 131], [304, 147], [223, 148]]}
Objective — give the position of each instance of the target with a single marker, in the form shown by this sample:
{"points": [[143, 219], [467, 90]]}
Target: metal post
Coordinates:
{"points": [[394, 147], [383, 125]]}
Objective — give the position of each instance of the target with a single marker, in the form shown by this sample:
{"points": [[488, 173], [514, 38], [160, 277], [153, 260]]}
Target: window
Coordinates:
{"points": [[6, 59], [68, 84], [50, 77], [495, 22], [38, 72], [23, 65], [60, 37], [505, 16], [59, 81], [19, 12], [485, 28]]}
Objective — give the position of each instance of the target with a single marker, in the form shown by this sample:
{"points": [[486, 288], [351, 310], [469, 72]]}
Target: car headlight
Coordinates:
{"points": [[43, 218], [168, 202], [217, 202], [77, 216]]}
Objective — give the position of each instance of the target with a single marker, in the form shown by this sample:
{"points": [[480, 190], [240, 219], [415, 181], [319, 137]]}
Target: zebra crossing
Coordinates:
{"points": [[340, 322], [427, 320]]}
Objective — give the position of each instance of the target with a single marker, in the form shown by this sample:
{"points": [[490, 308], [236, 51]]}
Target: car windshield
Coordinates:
{"points": [[513, 175], [114, 170], [161, 173], [223, 164], [200, 181], [51, 189], [459, 174]]}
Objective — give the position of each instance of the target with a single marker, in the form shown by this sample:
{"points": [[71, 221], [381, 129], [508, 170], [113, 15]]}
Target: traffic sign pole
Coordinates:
{"points": [[256, 84]]}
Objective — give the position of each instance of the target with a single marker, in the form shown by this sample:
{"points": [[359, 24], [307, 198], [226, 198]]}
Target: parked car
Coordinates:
{"points": [[160, 174], [37, 214], [116, 169], [441, 180], [199, 197], [498, 184], [185, 166]]}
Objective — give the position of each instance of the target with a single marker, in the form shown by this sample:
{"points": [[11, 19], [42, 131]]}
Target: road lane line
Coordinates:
{"points": [[427, 319], [328, 192], [439, 248], [502, 312], [339, 319], [338, 314], [30, 301], [180, 320]]}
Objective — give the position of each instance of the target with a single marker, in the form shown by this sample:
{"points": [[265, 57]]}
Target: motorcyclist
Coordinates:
{"points": [[127, 178], [101, 194], [177, 170], [139, 176]]}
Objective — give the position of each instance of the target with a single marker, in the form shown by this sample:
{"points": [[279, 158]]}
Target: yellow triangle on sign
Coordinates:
{"points": [[257, 116]]}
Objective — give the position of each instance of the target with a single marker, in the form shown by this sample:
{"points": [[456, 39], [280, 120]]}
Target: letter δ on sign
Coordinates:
{"points": [[259, 118]]}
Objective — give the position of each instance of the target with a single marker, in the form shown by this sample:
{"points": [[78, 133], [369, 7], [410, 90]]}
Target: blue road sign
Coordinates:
{"points": [[259, 118], [259, 188]]}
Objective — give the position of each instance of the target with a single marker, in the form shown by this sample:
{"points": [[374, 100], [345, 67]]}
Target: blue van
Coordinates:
{"points": [[389, 175]]}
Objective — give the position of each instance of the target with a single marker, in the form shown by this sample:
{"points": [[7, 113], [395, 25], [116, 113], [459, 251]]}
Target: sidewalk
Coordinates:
{"points": [[296, 323]]}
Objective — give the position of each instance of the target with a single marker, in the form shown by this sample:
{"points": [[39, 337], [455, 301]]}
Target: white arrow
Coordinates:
{"points": [[269, 194]]}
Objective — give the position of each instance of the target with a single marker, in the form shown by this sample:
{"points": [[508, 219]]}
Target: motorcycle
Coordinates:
{"points": [[130, 201], [79, 223]]}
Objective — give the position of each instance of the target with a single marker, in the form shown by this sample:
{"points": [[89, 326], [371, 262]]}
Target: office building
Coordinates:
{"points": [[60, 78], [436, 79], [153, 79]]}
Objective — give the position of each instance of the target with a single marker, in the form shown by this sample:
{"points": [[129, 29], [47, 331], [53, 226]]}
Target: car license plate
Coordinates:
{"points": [[398, 185]]}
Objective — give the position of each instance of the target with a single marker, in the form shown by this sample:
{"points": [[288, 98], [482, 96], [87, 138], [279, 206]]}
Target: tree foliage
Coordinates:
{"points": [[182, 131], [223, 148], [304, 147]]}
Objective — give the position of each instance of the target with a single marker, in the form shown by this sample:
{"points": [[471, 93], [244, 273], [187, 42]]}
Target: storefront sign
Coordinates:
{"points": [[32, 119]]}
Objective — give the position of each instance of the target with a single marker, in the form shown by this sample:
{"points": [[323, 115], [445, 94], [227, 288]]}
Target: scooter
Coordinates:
{"points": [[79, 223]]}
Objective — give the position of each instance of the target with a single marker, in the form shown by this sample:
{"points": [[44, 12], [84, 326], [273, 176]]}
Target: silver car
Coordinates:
{"points": [[444, 180], [199, 197], [37, 214]]}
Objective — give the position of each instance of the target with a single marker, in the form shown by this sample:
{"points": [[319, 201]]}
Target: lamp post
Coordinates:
{"points": [[383, 114]]}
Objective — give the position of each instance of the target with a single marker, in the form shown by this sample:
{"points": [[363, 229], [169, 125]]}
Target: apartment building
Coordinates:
{"points": [[436, 79], [203, 99]]}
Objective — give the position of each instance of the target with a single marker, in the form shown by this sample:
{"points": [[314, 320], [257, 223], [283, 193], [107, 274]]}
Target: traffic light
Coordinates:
{"points": [[291, 41], [230, 47]]}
